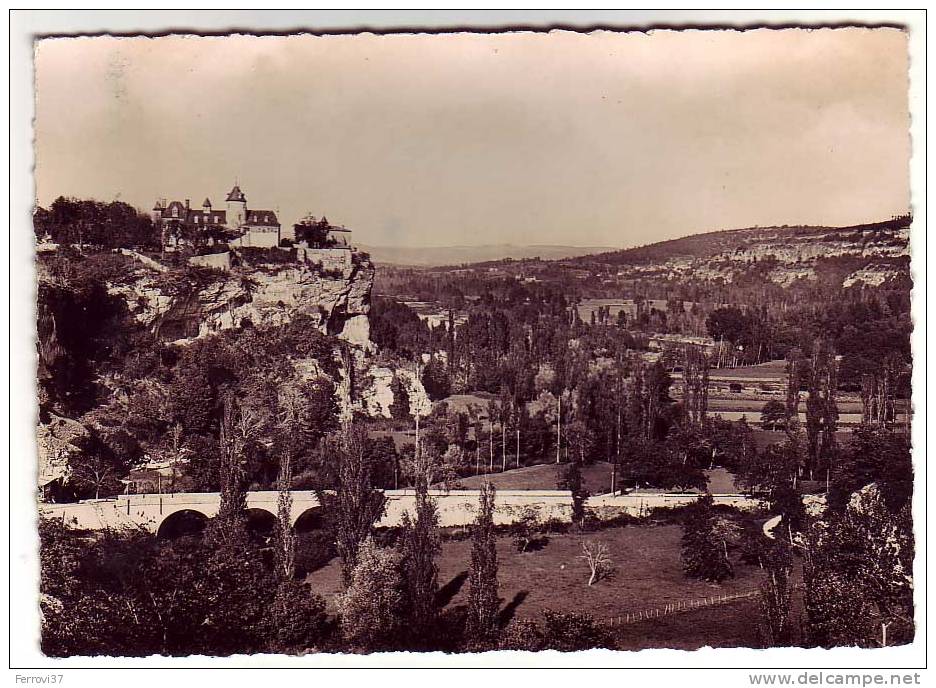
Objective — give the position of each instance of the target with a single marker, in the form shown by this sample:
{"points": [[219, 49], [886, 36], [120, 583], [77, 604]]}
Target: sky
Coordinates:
{"points": [[602, 139]]}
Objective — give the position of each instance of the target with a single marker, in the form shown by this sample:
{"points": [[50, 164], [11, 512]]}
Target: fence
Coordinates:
{"points": [[677, 607]]}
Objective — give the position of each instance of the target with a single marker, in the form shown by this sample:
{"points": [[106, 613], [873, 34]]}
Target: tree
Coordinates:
{"points": [[285, 535], [796, 376], [570, 478], [300, 417], [419, 545], [235, 614], [696, 383], [599, 562], [704, 554], [297, 620], [774, 416], [650, 399], [357, 504], [730, 323], [731, 442], [83, 330], [857, 574], [821, 409], [874, 455], [769, 469], [370, 606], [786, 499], [74, 620], [775, 594], [436, 380], [238, 426], [427, 465], [481, 624], [400, 407], [102, 460], [654, 464], [109, 225]]}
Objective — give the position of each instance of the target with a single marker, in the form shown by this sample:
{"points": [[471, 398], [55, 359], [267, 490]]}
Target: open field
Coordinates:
{"points": [[754, 417], [730, 625], [762, 438], [597, 478], [461, 402], [775, 370], [649, 575], [729, 404]]}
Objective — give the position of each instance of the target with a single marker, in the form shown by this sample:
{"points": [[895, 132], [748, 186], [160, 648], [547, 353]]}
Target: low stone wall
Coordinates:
{"points": [[639, 504], [220, 261], [327, 258], [460, 507], [259, 238], [146, 260]]}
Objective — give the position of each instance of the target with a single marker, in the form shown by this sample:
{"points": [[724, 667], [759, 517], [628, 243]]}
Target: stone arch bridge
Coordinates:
{"points": [[160, 513]]}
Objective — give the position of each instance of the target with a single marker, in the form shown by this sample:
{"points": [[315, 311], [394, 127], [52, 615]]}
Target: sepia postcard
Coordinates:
{"points": [[474, 342]]}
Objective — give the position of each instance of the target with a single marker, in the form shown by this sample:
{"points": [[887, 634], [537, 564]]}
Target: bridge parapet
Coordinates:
{"points": [[455, 507]]}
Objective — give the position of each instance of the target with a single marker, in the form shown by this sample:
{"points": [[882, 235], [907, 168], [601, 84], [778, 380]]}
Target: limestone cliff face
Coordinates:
{"points": [[376, 394], [338, 301]]}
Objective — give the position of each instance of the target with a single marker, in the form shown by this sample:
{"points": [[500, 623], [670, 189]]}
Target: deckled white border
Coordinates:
{"points": [[23, 565]]}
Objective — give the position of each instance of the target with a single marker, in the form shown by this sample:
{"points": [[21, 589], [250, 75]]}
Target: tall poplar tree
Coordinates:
{"points": [[481, 625], [358, 505], [419, 546]]}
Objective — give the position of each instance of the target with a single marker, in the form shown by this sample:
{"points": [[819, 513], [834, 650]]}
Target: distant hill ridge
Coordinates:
{"points": [[458, 255], [710, 244]]}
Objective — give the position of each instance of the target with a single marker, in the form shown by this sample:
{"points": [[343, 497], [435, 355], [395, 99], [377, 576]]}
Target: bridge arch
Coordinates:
{"points": [[310, 519], [261, 521], [182, 522]]}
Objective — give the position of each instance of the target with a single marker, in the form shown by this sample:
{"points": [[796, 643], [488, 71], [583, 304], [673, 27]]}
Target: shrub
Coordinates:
{"points": [[314, 550], [522, 635], [255, 255], [525, 528], [705, 543], [370, 608], [754, 545], [774, 416], [573, 632], [208, 250], [297, 619]]}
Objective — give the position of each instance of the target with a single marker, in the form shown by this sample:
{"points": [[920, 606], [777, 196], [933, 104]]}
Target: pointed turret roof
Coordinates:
{"points": [[236, 194], [206, 204]]}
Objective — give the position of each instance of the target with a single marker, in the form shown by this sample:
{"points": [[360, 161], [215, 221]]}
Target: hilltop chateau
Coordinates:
{"points": [[236, 224]]}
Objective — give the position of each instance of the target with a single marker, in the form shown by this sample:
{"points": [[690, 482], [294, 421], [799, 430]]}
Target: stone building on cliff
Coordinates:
{"points": [[236, 224]]}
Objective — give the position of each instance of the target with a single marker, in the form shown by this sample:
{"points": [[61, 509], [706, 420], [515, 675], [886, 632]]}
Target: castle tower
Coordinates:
{"points": [[236, 207], [158, 211]]}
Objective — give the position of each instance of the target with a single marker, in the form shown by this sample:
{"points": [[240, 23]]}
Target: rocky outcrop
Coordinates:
{"points": [[338, 301], [376, 396], [870, 254], [56, 442]]}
